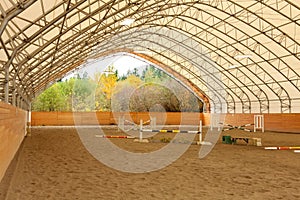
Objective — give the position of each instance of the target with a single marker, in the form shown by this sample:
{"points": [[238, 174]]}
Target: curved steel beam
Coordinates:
{"points": [[160, 14]]}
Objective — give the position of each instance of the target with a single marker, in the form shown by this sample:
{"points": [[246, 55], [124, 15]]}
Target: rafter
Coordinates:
{"points": [[198, 39]]}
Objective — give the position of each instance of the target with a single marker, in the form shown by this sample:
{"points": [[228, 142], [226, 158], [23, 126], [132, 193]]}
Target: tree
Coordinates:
{"points": [[188, 101], [104, 90], [129, 93], [66, 90], [83, 95], [146, 97], [123, 91], [50, 100]]}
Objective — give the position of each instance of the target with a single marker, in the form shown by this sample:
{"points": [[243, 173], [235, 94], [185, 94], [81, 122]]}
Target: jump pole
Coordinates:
{"points": [[121, 124], [174, 131], [140, 139], [122, 121], [115, 136], [282, 148], [242, 127]]}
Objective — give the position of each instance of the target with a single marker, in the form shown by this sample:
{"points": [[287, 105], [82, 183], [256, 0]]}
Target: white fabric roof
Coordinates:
{"points": [[240, 56]]}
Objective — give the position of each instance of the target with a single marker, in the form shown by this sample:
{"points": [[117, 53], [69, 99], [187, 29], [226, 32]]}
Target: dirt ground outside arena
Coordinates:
{"points": [[54, 164]]}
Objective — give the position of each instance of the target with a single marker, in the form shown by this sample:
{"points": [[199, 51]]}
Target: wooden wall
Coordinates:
{"points": [[108, 118], [273, 122], [12, 131]]}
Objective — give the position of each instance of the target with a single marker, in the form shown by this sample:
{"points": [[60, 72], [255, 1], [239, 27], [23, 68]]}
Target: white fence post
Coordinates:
{"points": [[200, 130], [259, 123], [141, 130]]}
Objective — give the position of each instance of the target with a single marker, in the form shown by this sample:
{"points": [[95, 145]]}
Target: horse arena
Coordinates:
{"points": [[222, 120], [52, 163]]}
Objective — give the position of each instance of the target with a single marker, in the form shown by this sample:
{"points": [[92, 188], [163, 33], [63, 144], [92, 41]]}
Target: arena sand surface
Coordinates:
{"points": [[53, 164]]}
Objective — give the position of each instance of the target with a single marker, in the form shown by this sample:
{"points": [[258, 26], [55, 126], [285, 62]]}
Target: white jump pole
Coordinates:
{"points": [[122, 120]]}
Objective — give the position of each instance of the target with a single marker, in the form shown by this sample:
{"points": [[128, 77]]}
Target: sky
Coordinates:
{"points": [[122, 63], [125, 63]]}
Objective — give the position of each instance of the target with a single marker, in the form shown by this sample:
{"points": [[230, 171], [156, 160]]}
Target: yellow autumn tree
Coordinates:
{"points": [[106, 83]]}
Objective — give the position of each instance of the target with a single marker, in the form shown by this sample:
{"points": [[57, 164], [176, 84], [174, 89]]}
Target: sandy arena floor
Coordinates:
{"points": [[53, 164]]}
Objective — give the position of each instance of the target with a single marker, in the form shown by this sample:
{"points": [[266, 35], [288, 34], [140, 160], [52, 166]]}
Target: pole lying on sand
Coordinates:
{"points": [[115, 136], [170, 131], [282, 148]]}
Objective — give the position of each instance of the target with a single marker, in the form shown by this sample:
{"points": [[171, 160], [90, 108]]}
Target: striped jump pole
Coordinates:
{"points": [[171, 131], [115, 136], [282, 148], [242, 127]]}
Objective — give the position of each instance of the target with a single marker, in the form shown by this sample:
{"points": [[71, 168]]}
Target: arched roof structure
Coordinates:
{"points": [[240, 56]]}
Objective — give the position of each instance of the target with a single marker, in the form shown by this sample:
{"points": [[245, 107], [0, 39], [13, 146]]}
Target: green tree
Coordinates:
{"points": [[50, 100], [83, 95], [66, 90]]}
